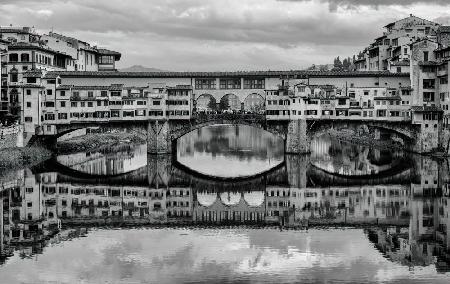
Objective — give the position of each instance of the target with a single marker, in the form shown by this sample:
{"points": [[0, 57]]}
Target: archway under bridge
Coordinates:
{"points": [[400, 131], [163, 134]]}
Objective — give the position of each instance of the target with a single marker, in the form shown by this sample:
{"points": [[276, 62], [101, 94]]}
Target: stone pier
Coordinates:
{"points": [[297, 139], [158, 137]]}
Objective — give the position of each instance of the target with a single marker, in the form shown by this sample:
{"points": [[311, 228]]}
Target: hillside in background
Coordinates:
{"points": [[140, 68]]}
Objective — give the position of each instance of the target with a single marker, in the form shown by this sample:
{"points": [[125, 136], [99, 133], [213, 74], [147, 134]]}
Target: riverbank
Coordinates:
{"points": [[16, 158], [98, 141], [367, 140]]}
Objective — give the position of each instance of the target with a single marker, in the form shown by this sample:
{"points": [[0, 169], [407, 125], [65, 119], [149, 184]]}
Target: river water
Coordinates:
{"points": [[228, 207]]}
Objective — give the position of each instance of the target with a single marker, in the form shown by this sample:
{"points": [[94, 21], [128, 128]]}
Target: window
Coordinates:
{"points": [[99, 103], [156, 103], [25, 57], [83, 104], [50, 104], [49, 92], [425, 56], [104, 93], [230, 83], [62, 115], [428, 83], [28, 92], [405, 51], [381, 113], [13, 57], [399, 69], [28, 119], [106, 59], [205, 84], [31, 80], [115, 113], [49, 116], [254, 83], [90, 104], [73, 104], [63, 104], [428, 96], [90, 94], [28, 104], [14, 77], [63, 93]]}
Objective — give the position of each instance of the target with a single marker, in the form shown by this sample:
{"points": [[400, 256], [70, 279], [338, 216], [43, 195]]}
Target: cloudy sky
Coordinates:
{"points": [[212, 35]]}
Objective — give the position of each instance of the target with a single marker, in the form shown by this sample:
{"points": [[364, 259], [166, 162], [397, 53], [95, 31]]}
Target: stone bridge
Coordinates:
{"points": [[162, 134]]}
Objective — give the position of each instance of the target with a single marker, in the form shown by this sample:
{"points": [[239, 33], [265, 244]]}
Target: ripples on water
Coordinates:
{"points": [[344, 213]]}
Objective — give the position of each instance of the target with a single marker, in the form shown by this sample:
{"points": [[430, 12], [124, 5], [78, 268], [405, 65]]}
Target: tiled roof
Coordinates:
{"points": [[15, 30], [25, 85], [273, 74], [180, 87], [426, 108], [26, 45], [32, 74], [444, 29], [103, 51], [428, 63], [390, 98]]}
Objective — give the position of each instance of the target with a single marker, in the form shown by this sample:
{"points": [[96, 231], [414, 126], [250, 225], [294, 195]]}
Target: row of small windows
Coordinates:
{"points": [[210, 84], [109, 114]]}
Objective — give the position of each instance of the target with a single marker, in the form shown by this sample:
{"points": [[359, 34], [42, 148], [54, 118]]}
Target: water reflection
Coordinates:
{"points": [[230, 151], [396, 226], [343, 158]]}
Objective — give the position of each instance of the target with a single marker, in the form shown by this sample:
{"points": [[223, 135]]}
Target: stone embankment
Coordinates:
{"points": [[98, 141], [15, 158], [366, 140]]}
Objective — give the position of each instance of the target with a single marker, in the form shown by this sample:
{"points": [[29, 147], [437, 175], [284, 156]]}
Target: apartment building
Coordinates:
{"points": [[28, 50], [391, 51]]}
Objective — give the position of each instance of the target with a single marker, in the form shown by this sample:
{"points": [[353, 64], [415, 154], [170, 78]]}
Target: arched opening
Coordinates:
{"points": [[230, 102], [254, 103], [206, 103]]}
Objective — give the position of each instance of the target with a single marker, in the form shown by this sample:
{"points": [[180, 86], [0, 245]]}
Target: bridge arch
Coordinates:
{"points": [[403, 129], [254, 103], [206, 102], [230, 102]]}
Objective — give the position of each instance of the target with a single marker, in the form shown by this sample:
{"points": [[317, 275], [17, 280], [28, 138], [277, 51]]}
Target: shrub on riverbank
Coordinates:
{"points": [[13, 158], [98, 141]]}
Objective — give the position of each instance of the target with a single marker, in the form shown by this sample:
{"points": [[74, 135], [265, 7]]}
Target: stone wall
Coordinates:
{"points": [[11, 137], [297, 140], [428, 139]]}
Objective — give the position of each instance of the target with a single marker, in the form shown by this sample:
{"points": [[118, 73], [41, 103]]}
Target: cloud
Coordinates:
{"points": [[230, 34], [352, 4]]}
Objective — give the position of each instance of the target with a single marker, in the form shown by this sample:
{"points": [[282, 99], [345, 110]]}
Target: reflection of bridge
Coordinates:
{"points": [[162, 133], [161, 171]]}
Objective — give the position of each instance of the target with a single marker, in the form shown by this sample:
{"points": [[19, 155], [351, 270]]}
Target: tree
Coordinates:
{"points": [[337, 63], [212, 104], [346, 64], [224, 103]]}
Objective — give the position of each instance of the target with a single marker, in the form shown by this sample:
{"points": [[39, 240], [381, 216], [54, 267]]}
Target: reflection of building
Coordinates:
{"points": [[408, 225]]}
